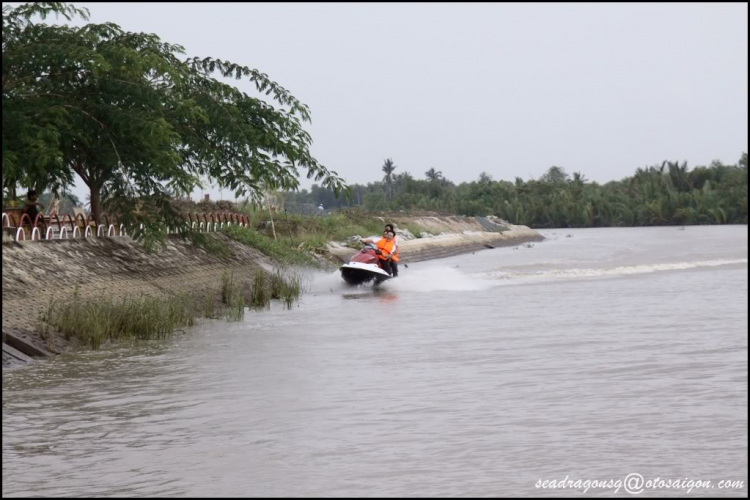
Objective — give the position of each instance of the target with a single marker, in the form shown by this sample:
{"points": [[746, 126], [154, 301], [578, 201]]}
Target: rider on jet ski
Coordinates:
{"points": [[386, 250]]}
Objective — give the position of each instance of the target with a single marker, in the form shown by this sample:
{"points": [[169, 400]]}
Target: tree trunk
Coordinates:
{"points": [[96, 204], [270, 213]]}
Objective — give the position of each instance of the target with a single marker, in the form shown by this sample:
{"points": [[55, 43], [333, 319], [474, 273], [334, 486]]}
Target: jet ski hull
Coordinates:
{"points": [[357, 273]]}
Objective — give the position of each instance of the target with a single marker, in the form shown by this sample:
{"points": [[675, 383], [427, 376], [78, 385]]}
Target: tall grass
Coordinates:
{"points": [[260, 296], [138, 318], [209, 305], [95, 322], [287, 289], [232, 298]]}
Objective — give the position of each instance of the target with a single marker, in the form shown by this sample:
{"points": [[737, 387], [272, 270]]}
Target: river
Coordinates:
{"points": [[593, 355]]}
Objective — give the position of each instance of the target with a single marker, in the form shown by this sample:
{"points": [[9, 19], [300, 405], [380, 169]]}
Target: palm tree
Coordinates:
{"points": [[433, 175], [579, 178], [680, 176], [388, 168]]}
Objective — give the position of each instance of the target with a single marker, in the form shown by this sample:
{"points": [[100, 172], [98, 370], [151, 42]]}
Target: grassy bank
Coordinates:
{"points": [[282, 251], [96, 322], [301, 240]]}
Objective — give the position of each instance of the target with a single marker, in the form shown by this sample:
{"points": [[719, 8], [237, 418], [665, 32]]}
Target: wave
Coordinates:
{"points": [[434, 279], [445, 278], [604, 272]]}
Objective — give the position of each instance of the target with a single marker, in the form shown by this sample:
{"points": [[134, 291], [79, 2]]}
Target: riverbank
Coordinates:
{"points": [[36, 274], [445, 236]]}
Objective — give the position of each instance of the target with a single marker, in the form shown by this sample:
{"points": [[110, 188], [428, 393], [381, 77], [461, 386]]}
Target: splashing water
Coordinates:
{"points": [[413, 279], [434, 279]]}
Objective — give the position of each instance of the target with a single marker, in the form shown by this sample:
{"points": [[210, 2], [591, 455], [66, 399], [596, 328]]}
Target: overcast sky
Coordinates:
{"points": [[510, 89]]}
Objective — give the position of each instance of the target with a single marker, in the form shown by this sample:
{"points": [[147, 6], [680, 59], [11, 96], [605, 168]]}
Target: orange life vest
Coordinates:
{"points": [[385, 246]]}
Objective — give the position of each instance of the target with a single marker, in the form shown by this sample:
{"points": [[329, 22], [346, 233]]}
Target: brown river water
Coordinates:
{"points": [[599, 356]]}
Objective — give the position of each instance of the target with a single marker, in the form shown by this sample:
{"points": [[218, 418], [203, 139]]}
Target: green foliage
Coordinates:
{"points": [[279, 250], [666, 194], [555, 175]]}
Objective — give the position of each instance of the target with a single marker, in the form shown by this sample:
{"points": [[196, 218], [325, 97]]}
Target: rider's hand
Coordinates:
{"points": [[378, 252]]}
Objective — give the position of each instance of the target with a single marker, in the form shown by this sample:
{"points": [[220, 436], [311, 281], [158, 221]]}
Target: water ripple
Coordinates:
{"points": [[454, 390]]}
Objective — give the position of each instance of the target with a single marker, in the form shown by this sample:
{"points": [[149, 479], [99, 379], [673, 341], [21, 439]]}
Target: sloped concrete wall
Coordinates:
{"points": [[36, 273]]}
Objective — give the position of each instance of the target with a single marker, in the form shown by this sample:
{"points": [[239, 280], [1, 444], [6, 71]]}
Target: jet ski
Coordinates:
{"points": [[364, 267]]}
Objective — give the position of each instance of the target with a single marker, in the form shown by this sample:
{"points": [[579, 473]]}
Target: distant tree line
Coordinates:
{"points": [[665, 194]]}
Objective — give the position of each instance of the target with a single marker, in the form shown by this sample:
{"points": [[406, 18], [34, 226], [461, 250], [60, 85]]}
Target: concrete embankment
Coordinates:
{"points": [[36, 273]]}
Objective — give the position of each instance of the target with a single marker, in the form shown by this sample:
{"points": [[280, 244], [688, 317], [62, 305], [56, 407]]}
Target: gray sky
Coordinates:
{"points": [[510, 89]]}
